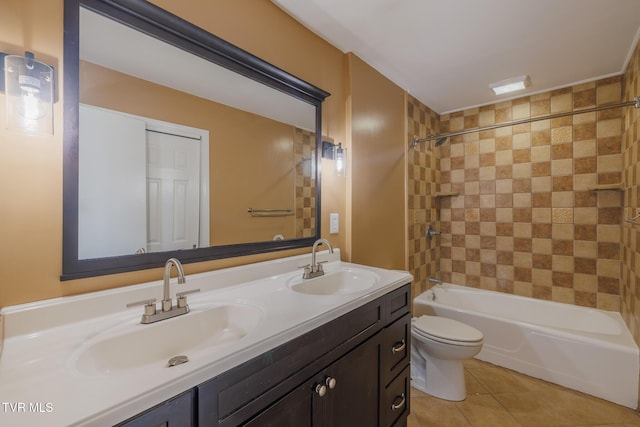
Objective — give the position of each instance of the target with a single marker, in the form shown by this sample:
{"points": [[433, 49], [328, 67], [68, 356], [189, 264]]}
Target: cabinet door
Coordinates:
{"points": [[295, 409], [176, 412], [354, 399]]}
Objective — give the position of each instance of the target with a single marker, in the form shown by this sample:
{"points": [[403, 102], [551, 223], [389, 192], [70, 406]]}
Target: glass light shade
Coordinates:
{"points": [[341, 160], [29, 95]]}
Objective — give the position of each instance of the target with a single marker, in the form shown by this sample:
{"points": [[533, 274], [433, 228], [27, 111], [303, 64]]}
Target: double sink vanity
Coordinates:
{"points": [[260, 345]]}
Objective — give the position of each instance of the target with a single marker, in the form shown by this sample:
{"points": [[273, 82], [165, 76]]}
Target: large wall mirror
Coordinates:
{"points": [[178, 144]]}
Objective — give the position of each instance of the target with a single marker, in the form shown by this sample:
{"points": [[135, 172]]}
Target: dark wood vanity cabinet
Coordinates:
{"points": [[352, 371], [176, 412], [315, 403]]}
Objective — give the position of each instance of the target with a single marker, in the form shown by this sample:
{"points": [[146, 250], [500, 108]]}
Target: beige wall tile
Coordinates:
{"points": [[609, 93], [562, 167], [563, 263], [610, 163], [562, 215], [542, 246], [522, 229], [504, 157], [608, 302], [487, 146], [611, 127], [541, 184], [561, 103], [504, 215], [486, 118], [609, 233], [608, 268], [543, 153], [541, 215], [504, 186], [562, 231], [585, 282], [584, 181], [586, 148], [562, 135], [487, 173], [562, 295]]}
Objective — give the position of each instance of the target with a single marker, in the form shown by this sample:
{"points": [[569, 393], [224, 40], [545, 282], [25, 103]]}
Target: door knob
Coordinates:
{"points": [[330, 382], [320, 389]]}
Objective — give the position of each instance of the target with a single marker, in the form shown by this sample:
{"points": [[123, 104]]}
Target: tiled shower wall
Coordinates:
{"points": [[631, 233], [305, 182], [525, 221], [423, 184]]}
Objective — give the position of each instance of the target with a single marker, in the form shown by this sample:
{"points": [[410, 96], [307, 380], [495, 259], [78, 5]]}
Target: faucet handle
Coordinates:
{"points": [[307, 271], [183, 293], [182, 297], [149, 306]]}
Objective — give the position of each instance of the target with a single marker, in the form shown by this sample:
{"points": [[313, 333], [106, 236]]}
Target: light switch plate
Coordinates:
{"points": [[334, 223]]}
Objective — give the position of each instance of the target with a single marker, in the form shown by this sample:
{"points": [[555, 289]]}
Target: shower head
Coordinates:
{"points": [[441, 141]]}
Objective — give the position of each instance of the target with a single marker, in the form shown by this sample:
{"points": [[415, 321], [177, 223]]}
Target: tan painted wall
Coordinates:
{"points": [[378, 161], [31, 167]]}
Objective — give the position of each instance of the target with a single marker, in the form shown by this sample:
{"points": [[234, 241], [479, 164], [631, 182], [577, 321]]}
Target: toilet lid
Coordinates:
{"points": [[449, 329]]}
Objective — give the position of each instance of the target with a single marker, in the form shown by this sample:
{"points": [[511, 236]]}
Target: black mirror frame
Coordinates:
{"points": [[152, 20]]}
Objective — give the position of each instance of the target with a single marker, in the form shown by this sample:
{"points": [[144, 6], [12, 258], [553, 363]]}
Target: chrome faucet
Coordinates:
{"points": [[166, 299], [168, 310], [315, 269], [435, 281]]}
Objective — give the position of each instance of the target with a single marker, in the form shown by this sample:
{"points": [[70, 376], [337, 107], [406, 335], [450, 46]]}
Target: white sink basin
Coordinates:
{"points": [[340, 282], [134, 345]]}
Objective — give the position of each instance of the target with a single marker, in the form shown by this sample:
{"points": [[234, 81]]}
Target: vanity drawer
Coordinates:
{"points": [[398, 303], [396, 348], [395, 402]]}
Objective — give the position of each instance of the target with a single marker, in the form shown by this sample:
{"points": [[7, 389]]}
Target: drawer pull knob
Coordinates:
{"points": [[398, 347], [330, 382], [320, 389], [401, 400]]}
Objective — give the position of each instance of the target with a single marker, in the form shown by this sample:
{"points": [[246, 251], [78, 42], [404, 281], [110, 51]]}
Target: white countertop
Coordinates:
{"points": [[41, 382]]}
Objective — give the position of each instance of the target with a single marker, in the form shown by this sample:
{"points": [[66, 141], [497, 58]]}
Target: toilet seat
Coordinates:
{"points": [[446, 331]]}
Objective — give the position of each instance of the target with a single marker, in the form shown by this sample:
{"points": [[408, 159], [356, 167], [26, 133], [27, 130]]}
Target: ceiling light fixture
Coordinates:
{"points": [[510, 85]]}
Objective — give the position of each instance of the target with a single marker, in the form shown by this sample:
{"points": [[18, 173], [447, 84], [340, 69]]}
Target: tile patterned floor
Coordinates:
{"points": [[498, 397]]}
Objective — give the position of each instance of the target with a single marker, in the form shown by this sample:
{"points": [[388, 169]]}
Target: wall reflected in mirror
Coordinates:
{"points": [[174, 150]]}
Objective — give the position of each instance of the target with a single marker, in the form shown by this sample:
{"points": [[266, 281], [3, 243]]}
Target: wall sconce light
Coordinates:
{"points": [[337, 153], [28, 86]]}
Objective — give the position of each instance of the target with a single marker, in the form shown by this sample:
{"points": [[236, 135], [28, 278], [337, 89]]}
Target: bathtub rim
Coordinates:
{"points": [[623, 341]]}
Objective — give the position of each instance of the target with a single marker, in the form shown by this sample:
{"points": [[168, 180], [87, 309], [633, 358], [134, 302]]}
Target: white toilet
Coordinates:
{"points": [[438, 347]]}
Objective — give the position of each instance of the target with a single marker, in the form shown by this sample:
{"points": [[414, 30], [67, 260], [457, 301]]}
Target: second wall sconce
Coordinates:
{"points": [[337, 153], [28, 86]]}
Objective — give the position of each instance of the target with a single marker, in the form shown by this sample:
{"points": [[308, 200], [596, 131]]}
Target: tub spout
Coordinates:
{"points": [[435, 281]]}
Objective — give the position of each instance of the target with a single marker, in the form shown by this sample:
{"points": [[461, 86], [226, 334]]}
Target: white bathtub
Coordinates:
{"points": [[580, 348]]}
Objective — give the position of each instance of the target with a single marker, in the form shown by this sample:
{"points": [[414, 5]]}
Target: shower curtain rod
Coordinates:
{"points": [[635, 103]]}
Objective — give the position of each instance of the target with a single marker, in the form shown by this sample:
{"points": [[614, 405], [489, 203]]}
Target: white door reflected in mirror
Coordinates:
{"points": [[140, 185]]}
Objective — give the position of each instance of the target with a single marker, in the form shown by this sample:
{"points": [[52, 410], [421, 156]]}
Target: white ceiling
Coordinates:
{"points": [[447, 52]]}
